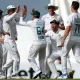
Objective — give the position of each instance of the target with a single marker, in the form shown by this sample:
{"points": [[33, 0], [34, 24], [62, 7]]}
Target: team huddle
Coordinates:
{"points": [[52, 40]]}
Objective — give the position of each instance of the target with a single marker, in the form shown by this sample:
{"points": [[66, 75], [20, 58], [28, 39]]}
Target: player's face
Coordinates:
{"points": [[51, 10], [54, 26], [11, 11]]}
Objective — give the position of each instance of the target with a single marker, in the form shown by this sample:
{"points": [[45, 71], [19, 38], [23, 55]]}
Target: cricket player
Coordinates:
{"points": [[1, 33], [9, 27], [71, 39], [39, 43], [51, 15], [56, 36]]}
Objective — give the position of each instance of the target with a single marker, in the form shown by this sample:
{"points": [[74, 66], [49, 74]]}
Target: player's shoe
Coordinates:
{"points": [[54, 77], [2, 76], [43, 76], [8, 77], [70, 75], [65, 76], [36, 74], [48, 75], [15, 76]]}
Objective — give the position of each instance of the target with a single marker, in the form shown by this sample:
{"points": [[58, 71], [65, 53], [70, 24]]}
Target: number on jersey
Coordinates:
{"points": [[77, 30], [40, 31]]}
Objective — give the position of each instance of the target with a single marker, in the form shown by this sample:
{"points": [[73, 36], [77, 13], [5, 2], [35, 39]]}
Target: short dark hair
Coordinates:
{"points": [[55, 22], [75, 5]]}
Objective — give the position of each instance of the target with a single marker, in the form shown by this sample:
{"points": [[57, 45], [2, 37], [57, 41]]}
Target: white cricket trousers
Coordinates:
{"points": [[53, 57], [13, 58], [68, 45], [1, 56], [5, 53], [37, 48], [48, 53], [5, 59]]}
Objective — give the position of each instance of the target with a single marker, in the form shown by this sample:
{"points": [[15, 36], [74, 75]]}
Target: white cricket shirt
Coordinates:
{"points": [[73, 21], [56, 38], [47, 18], [37, 27], [9, 24]]}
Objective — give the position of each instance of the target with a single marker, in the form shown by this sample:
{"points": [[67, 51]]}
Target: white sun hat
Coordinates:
{"points": [[51, 5], [11, 7]]}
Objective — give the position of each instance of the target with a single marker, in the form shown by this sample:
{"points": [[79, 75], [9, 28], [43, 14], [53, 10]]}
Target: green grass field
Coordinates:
{"points": [[39, 79]]}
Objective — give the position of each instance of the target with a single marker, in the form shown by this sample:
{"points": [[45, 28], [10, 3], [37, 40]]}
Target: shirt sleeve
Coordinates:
{"points": [[8, 18], [47, 34], [68, 22], [61, 20], [23, 23], [43, 18]]}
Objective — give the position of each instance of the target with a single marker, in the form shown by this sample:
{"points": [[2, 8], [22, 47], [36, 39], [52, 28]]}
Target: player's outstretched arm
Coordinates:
{"points": [[22, 14], [17, 18], [65, 34], [10, 17]]}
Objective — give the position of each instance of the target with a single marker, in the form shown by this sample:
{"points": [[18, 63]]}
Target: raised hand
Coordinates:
{"points": [[17, 9], [23, 11], [33, 9], [25, 8]]}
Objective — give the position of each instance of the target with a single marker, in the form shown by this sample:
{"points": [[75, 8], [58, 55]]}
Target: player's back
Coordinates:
{"points": [[38, 29], [74, 19]]}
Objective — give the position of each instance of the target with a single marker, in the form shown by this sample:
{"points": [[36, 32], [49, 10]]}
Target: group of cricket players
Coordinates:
{"points": [[52, 40]]}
